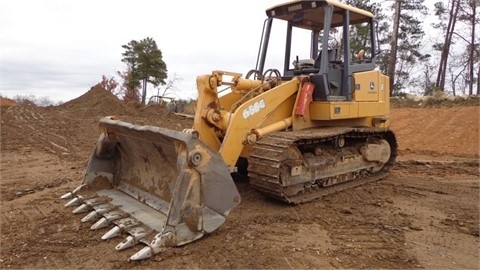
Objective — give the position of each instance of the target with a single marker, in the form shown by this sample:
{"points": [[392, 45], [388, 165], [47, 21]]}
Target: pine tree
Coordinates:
{"points": [[468, 15], [406, 42], [360, 33], [130, 57], [145, 64], [448, 30]]}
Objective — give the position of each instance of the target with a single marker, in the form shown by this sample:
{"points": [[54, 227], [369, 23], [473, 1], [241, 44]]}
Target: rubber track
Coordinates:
{"points": [[268, 153]]}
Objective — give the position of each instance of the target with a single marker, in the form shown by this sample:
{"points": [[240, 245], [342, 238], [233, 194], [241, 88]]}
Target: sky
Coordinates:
{"points": [[60, 48]]}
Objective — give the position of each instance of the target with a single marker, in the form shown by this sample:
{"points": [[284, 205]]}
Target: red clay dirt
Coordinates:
{"points": [[424, 215], [5, 102]]}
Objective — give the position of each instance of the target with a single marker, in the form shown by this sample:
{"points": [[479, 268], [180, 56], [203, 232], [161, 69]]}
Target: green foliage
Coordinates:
{"points": [[150, 63], [459, 60], [144, 64], [187, 106], [360, 33], [409, 42], [127, 92]]}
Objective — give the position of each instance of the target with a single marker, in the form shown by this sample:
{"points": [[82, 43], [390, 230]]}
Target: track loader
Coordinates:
{"points": [[318, 126]]}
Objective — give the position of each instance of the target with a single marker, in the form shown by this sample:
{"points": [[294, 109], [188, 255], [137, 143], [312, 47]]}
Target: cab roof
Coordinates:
{"points": [[309, 14]]}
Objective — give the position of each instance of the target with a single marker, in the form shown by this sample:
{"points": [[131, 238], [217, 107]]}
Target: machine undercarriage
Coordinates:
{"points": [[301, 166]]}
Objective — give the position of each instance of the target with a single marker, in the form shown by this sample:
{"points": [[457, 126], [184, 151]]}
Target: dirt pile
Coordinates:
{"points": [[159, 115], [5, 102], [97, 102], [438, 131], [27, 127], [71, 129]]}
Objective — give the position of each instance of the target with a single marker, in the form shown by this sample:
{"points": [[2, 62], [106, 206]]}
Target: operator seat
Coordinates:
{"points": [[332, 56]]}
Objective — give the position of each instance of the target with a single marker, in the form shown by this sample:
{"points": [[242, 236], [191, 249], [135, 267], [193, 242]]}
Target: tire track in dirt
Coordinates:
{"points": [[366, 230], [37, 128], [444, 214], [360, 246]]}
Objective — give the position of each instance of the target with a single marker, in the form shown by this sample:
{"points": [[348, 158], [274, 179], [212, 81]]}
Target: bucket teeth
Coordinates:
{"points": [[139, 232], [136, 234], [74, 202], [107, 218], [97, 212], [94, 201], [67, 196], [92, 216], [161, 242], [122, 225], [127, 223], [114, 215], [144, 253], [114, 232], [130, 241], [71, 194], [101, 223], [81, 209]]}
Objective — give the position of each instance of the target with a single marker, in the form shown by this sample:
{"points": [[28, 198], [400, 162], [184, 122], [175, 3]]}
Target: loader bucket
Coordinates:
{"points": [[160, 187]]}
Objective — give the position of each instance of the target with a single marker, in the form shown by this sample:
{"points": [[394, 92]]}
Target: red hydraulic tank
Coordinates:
{"points": [[305, 98]]}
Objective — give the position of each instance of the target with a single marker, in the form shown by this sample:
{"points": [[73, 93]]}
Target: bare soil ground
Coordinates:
{"points": [[424, 215]]}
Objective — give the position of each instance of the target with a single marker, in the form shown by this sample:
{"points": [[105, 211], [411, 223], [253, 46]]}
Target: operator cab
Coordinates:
{"points": [[323, 41]]}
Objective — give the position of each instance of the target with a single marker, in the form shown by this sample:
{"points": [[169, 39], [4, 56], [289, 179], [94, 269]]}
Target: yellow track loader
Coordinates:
{"points": [[317, 127]]}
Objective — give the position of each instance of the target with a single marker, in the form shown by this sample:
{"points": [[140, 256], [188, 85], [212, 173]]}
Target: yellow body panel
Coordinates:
{"points": [[366, 86], [329, 111], [324, 110], [370, 86], [370, 100], [231, 124], [345, 110], [226, 124], [228, 100], [371, 109]]}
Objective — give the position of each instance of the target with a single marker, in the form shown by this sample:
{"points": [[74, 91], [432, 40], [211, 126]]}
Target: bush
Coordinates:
{"points": [[186, 106], [32, 100]]}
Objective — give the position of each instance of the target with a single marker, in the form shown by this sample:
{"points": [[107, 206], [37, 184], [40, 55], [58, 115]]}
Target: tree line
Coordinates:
{"points": [[447, 59]]}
